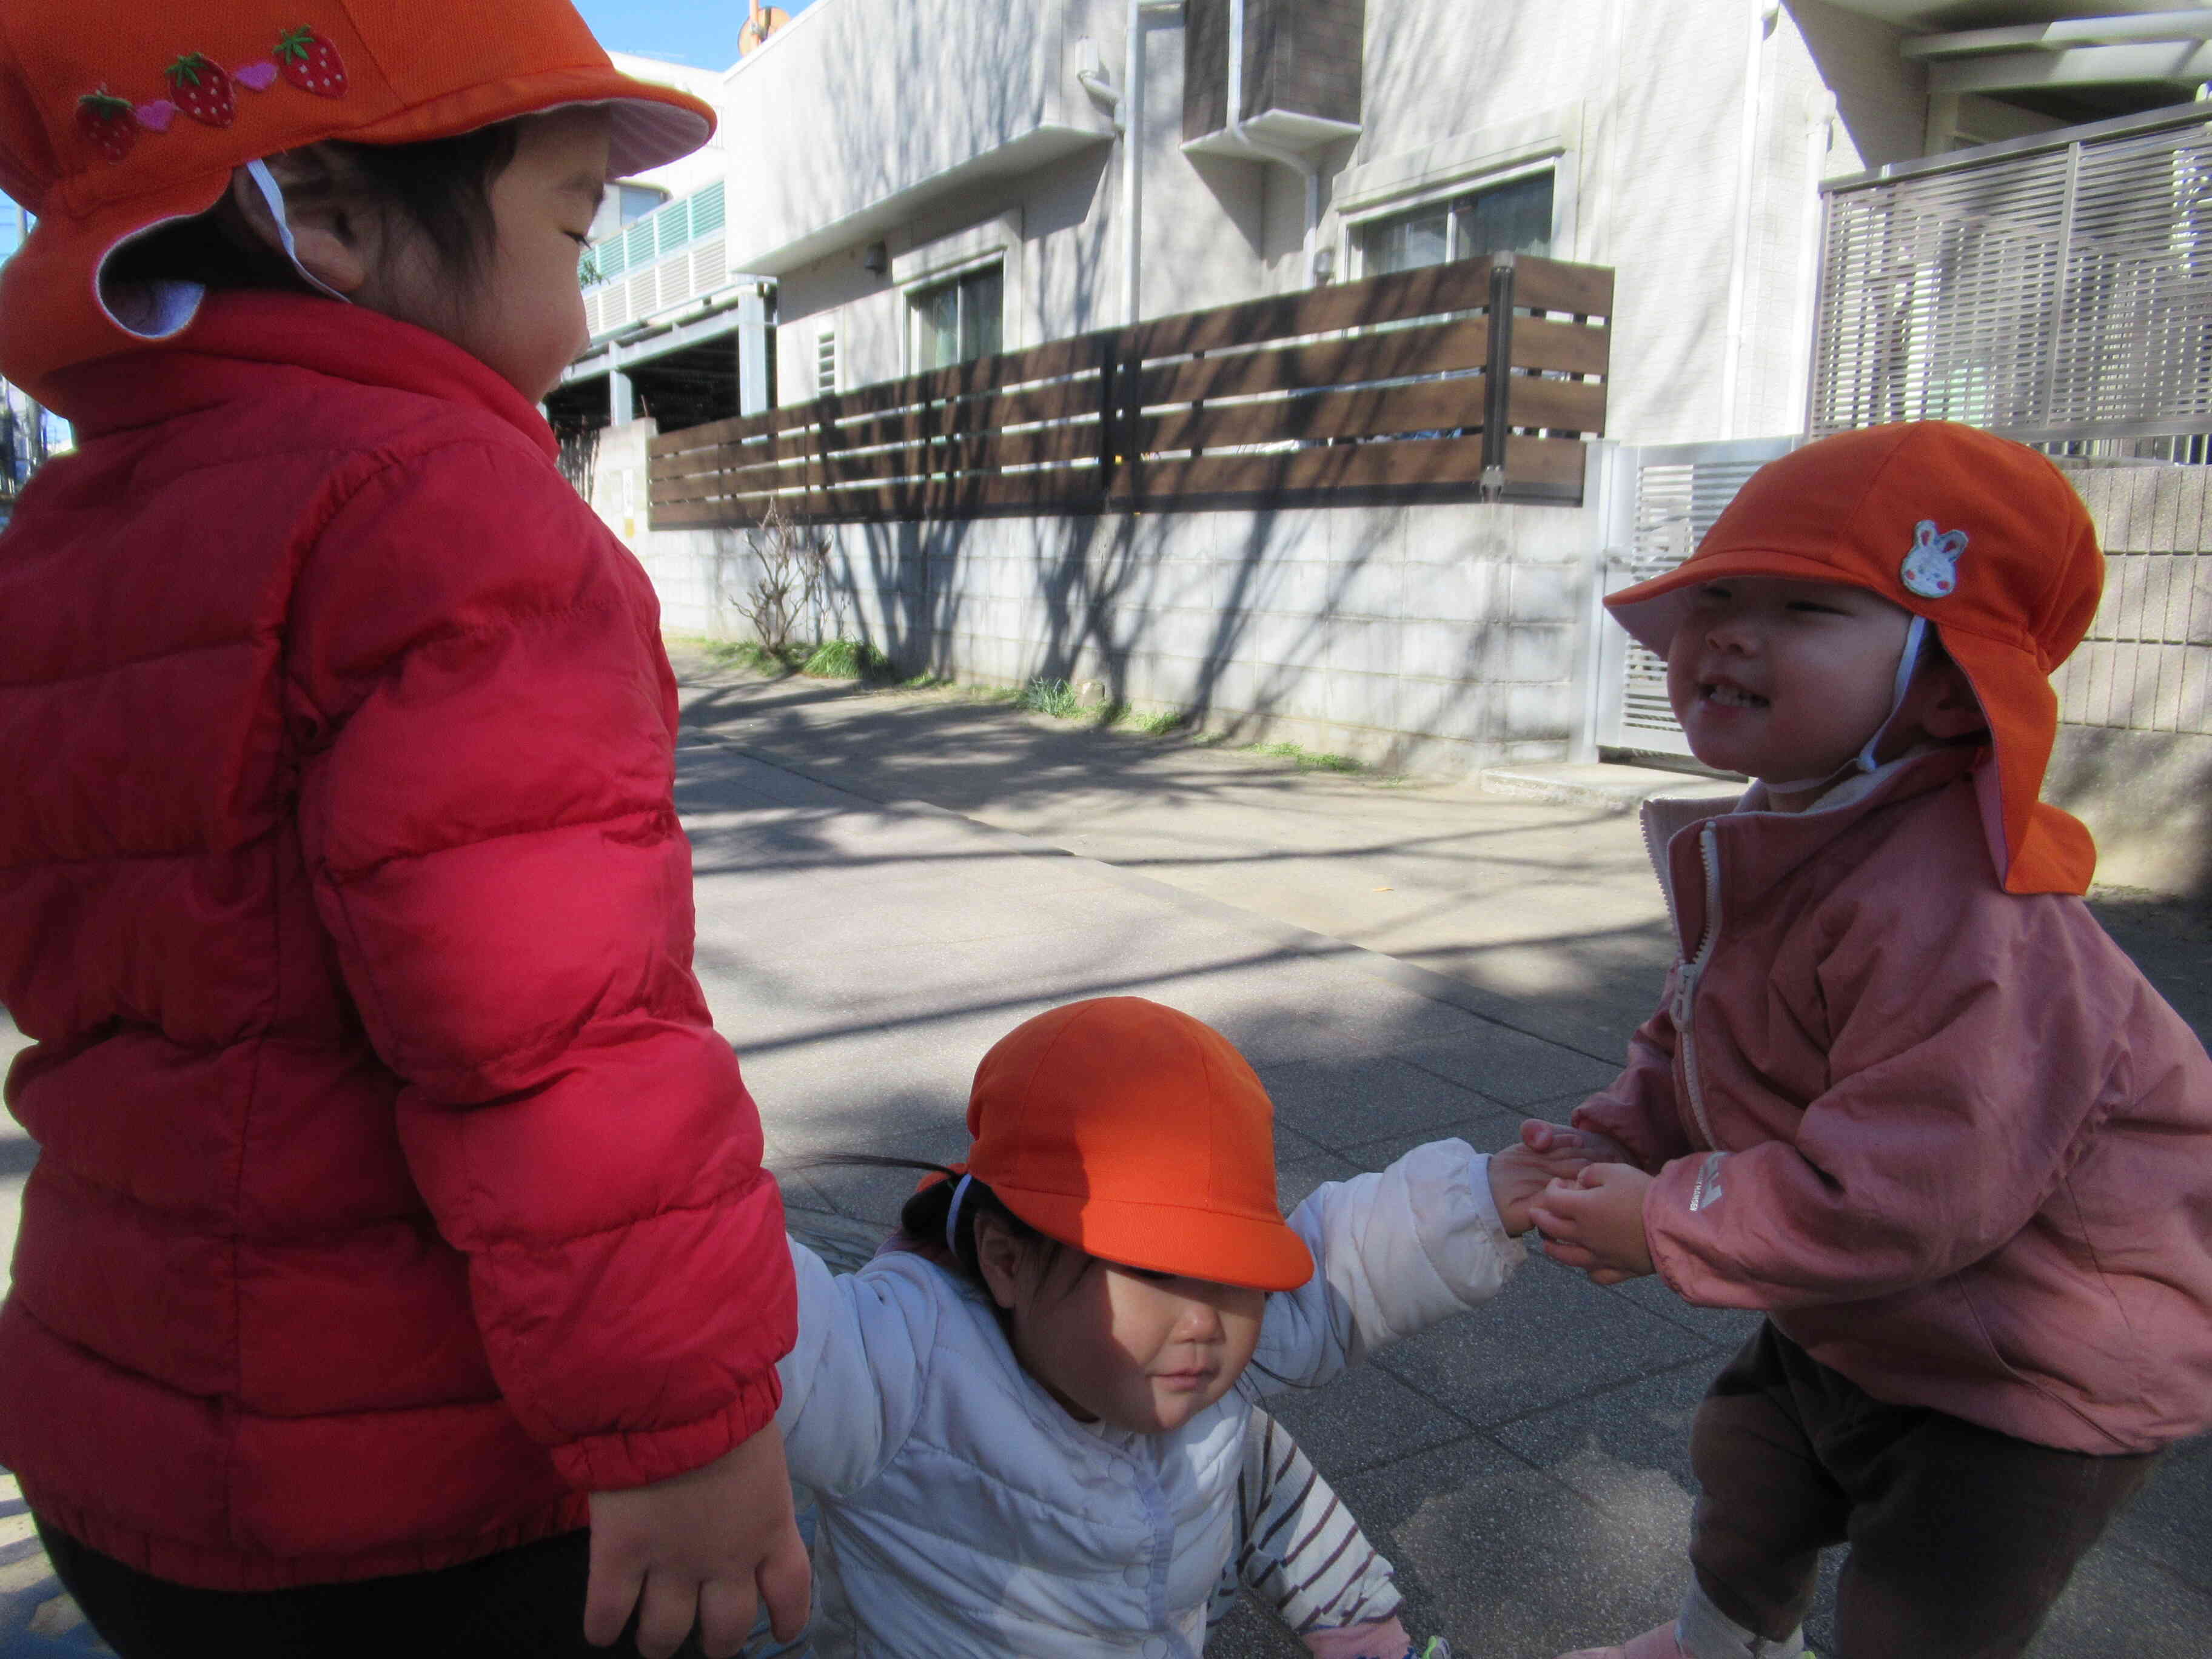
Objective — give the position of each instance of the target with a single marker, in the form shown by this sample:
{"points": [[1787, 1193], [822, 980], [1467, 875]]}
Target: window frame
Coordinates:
{"points": [[957, 278], [1448, 196]]}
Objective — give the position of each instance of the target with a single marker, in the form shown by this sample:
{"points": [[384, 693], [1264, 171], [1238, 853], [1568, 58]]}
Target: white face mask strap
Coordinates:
{"points": [[273, 193], [952, 1215]]}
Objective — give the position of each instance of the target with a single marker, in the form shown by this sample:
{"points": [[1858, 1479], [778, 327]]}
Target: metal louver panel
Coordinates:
{"points": [[2056, 290], [709, 210], [1662, 501], [1675, 504]]}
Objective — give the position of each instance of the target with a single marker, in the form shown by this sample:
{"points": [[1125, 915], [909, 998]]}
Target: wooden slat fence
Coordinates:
{"points": [[1376, 390]]}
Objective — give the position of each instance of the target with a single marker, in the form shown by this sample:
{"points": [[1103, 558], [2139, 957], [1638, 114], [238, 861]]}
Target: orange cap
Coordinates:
{"points": [[116, 119], [1982, 537], [1139, 1134]]}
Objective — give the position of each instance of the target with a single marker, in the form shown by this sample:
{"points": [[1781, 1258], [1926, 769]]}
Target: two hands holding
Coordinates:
{"points": [[1581, 1190]]}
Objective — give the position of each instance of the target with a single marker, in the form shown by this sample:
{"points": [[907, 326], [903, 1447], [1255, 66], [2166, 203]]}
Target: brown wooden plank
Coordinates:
{"points": [[1058, 359], [1426, 350], [1545, 461], [714, 432], [1061, 400], [724, 458], [1341, 466], [1560, 405], [1370, 411], [1462, 285], [1555, 285], [870, 465], [710, 486], [1066, 491], [1569, 348]]}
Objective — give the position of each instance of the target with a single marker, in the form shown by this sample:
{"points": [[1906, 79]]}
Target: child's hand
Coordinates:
{"points": [[1595, 1147], [1518, 1173], [1596, 1222], [698, 1545]]}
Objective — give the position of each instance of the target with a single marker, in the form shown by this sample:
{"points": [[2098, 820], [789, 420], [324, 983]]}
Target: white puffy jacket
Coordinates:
{"points": [[963, 1514]]}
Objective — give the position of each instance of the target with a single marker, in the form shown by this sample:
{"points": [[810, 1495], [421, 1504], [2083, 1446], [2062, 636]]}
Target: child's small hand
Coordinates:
{"points": [[1596, 1222], [699, 1547], [1518, 1173], [1595, 1147]]}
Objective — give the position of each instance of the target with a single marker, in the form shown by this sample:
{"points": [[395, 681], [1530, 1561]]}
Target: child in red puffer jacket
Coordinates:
{"points": [[399, 1211]]}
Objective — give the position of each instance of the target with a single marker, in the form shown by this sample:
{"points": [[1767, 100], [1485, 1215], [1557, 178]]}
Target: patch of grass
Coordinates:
{"points": [[925, 683], [1054, 697], [750, 653], [846, 659], [1157, 724], [1306, 760]]}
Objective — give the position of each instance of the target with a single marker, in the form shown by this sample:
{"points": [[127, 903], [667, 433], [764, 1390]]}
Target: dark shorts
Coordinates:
{"points": [[526, 1601], [1960, 1537]]}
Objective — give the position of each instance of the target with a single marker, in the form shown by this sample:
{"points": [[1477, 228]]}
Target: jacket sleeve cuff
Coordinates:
{"points": [[610, 1463]]}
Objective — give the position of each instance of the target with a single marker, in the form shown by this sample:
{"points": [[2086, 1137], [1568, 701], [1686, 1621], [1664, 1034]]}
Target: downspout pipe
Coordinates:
{"points": [[1305, 166], [1763, 16], [1130, 117]]}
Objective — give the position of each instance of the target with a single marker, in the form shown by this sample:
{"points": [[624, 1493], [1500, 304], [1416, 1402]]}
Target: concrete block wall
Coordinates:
{"points": [[1438, 639], [2134, 757]]}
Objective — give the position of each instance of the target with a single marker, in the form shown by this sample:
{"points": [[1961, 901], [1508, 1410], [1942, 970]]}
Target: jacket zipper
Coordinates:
{"points": [[1686, 982]]}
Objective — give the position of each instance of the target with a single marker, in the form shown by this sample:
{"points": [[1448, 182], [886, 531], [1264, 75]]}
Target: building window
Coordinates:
{"points": [[825, 363], [957, 321], [1515, 215]]}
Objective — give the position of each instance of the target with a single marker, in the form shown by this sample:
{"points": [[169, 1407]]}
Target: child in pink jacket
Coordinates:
{"points": [[1903, 1093]]}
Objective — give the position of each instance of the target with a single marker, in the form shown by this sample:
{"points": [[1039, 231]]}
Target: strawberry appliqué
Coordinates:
{"points": [[311, 63], [203, 90], [109, 122]]}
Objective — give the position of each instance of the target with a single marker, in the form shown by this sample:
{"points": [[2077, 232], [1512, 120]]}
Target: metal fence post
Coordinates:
{"points": [[1497, 381]]}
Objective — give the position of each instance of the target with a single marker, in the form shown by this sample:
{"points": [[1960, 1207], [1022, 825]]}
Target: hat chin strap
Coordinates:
{"points": [[273, 193], [1908, 662]]}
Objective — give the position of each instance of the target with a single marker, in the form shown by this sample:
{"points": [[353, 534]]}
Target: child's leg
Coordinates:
{"points": [[1306, 1556], [1768, 1506], [1962, 1538]]}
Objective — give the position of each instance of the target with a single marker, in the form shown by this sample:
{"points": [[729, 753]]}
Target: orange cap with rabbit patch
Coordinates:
{"points": [[1139, 1134], [118, 118], [1982, 537]]}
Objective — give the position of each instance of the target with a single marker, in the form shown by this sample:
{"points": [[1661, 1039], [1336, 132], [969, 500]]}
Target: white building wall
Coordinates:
{"points": [[1436, 638], [917, 123]]}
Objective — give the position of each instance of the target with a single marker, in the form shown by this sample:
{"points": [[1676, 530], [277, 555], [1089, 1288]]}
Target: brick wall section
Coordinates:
{"points": [[1304, 56], [1206, 68]]}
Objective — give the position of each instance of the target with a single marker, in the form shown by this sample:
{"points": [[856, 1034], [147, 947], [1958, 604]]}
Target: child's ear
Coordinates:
{"points": [[999, 1259], [332, 238], [1949, 709]]}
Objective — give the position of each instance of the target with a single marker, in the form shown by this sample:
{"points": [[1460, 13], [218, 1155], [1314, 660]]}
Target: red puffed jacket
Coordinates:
{"points": [[393, 1189]]}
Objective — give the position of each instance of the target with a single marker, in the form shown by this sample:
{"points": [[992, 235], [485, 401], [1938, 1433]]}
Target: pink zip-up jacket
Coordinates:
{"points": [[1948, 1138]]}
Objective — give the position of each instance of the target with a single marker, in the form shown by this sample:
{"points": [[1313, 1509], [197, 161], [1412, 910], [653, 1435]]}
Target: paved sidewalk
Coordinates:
{"points": [[942, 869]]}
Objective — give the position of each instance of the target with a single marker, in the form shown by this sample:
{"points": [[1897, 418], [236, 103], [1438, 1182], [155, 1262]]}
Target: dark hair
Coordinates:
{"points": [[440, 187], [922, 1216]]}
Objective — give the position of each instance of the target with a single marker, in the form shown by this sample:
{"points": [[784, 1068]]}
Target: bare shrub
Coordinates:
{"points": [[792, 561]]}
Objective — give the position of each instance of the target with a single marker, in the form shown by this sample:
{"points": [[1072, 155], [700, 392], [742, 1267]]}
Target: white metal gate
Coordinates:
{"points": [[1658, 501], [2056, 288]]}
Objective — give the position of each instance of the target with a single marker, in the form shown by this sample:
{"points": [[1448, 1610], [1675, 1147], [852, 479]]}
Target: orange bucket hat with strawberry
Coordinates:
{"points": [[115, 119]]}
